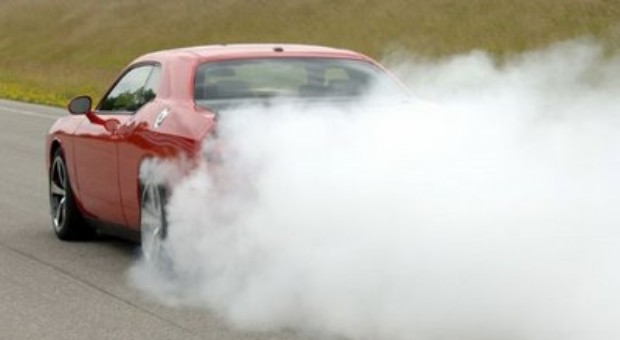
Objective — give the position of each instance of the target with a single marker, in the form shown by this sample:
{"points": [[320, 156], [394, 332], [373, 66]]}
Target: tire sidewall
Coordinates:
{"points": [[161, 257], [73, 227]]}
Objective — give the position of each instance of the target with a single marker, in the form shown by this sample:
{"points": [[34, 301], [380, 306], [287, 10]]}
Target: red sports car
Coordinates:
{"points": [[164, 104]]}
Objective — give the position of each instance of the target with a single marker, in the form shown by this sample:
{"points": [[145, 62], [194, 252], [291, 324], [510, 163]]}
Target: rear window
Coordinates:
{"points": [[306, 78]]}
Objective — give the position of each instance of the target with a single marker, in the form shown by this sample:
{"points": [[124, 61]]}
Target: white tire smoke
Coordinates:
{"points": [[493, 215]]}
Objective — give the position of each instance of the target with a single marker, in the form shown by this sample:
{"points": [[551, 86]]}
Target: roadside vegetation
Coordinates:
{"points": [[51, 51]]}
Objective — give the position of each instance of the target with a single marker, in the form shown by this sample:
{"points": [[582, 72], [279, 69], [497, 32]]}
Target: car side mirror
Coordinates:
{"points": [[80, 105]]}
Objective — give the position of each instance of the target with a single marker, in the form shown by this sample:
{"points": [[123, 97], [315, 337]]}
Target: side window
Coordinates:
{"points": [[150, 88], [136, 88]]}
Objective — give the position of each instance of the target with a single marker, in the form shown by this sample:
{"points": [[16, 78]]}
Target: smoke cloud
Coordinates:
{"points": [[490, 214]]}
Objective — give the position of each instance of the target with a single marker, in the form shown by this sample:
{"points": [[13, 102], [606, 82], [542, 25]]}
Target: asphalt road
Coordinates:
{"points": [[72, 290]]}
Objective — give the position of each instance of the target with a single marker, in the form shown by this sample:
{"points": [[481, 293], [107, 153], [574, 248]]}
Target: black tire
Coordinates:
{"points": [[67, 221], [153, 222]]}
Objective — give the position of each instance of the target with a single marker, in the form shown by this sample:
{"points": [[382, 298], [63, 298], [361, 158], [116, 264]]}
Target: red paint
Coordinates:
{"points": [[104, 151]]}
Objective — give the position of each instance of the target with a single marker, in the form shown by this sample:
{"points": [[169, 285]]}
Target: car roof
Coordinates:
{"points": [[232, 51]]}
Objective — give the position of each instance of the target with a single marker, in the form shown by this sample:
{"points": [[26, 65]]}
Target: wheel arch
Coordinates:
{"points": [[54, 146], [142, 170], [79, 229]]}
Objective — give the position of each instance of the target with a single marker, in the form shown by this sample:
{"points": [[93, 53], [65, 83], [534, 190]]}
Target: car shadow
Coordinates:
{"points": [[120, 245]]}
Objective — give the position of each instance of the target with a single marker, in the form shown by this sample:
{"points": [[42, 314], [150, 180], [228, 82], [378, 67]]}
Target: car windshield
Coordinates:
{"points": [[223, 83]]}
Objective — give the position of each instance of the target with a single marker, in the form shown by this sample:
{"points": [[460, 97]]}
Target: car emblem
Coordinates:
{"points": [[161, 117]]}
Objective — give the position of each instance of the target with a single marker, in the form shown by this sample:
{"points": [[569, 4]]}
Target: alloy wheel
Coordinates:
{"points": [[58, 193], [152, 222]]}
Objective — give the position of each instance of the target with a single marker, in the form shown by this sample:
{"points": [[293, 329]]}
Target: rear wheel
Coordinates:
{"points": [[153, 223], [67, 221]]}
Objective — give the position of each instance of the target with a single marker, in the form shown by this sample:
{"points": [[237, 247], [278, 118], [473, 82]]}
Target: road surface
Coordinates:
{"points": [[72, 290]]}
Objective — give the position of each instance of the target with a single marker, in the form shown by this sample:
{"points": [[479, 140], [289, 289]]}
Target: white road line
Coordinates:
{"points": [[27, 113]]}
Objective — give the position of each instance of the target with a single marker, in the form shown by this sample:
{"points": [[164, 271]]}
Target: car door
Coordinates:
{"points": [[96, 147]]}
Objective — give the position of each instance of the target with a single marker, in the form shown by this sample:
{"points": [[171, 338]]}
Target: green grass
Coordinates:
{"points": [[53, 50]]}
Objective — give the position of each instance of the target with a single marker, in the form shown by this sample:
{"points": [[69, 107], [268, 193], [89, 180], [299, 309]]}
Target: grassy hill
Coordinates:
{"points": [[53, 50]]}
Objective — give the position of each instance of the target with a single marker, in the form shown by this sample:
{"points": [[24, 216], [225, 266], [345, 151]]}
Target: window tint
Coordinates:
{"points": [[222, 83], [153, 81], [136, 88]]}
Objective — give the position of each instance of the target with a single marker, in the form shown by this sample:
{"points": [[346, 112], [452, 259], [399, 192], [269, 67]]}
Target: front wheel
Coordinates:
{"points": [[67, 221]]}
